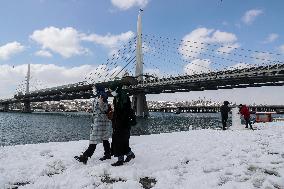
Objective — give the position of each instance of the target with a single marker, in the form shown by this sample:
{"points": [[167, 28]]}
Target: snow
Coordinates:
{"points": [[236, 121], [235, 158]]}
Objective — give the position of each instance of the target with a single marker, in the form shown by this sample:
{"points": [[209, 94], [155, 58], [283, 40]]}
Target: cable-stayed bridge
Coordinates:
{"points": [[154, 64], [270, 75], [240, 78]]}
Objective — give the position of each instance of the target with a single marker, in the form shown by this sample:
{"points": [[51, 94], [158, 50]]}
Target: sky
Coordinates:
{"points": [[66, 41]]}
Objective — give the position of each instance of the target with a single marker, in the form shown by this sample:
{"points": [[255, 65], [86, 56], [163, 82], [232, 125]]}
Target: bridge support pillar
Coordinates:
{"points": [[6, 108], [140, 105], [27, 107]]}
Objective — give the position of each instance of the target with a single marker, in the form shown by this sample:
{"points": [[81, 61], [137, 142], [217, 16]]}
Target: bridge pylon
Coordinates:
{"points": [[139, 100], [27, 103], [6, 107], [27, 107]]}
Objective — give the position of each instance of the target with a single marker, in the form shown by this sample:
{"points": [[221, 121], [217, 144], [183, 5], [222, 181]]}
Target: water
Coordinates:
{"points": [[21, 128], [169, 122]]}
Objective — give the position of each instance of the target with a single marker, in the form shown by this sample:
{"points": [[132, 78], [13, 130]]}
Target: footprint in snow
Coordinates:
{"points": [[54, 167], [46, 153]]}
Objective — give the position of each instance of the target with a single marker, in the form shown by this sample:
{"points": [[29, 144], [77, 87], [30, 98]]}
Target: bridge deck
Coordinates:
{"points": [[269, 75]]}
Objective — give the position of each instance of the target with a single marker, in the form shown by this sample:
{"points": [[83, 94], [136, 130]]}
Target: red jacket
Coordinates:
{"points": [[245, 111]]}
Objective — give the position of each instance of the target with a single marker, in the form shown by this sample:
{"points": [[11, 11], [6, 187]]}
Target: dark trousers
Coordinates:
{"points": [[224, 123], [120, 142], [92, 147], [248, 122]]}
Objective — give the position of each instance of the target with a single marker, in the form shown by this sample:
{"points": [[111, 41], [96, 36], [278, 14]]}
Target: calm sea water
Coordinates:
{"points": [[21, 128]]}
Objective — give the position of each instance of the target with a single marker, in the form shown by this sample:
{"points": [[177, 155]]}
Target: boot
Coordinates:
{"points": [[105, 157], [82, 159], [129, 157], [118, 163]]}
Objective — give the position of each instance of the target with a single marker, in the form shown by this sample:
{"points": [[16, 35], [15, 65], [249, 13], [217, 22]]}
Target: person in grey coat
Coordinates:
{"points": [[100, 129]]}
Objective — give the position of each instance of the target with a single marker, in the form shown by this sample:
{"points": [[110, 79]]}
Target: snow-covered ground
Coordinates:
{"points": [[197, 159]]}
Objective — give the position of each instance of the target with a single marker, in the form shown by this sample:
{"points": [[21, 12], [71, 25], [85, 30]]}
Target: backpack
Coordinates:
{"points": [[109, 112]]}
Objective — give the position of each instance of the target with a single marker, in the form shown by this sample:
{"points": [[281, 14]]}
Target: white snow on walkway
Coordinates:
{"points": [[198, 159]]}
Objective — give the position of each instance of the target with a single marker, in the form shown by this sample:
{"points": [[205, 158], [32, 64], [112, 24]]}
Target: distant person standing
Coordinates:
{"points": [[224, 114], [244, 111]]}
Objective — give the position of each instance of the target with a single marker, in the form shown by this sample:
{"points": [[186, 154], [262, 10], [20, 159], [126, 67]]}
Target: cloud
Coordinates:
{"points": [[109, 41], [199, 35], [112, 42], [197, 66], [14, 75], [65, 41], [222, 37], [43, 53], [43, 76], [147, 48], [153, 72], [225, 49], [250, 16], [196, 42], [6, 51], [10, 77], [271, 37], [127, 4], [262, 58]]}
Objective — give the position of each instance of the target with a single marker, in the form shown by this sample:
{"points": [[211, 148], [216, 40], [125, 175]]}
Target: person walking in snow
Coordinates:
{"points": [[224, 114], [244, 111], [100, 128], [121, 125]]}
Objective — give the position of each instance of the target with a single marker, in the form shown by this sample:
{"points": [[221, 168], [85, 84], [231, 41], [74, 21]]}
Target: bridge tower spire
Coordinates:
{"points": [[28, 77], [139, 100], [27, 103], [139, 56]]}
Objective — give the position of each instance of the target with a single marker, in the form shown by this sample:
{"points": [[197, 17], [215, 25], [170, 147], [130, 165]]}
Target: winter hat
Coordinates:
{"points": [[115, 86], [101, 92], [104, 96], [226, 102], [100, 89]]}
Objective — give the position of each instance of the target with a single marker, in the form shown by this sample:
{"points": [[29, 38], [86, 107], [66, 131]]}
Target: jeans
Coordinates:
{"points": [[224, 123], [248, 122]]}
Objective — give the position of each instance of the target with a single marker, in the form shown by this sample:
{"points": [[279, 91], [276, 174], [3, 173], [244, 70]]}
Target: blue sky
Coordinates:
{"points": [[65, 40]]}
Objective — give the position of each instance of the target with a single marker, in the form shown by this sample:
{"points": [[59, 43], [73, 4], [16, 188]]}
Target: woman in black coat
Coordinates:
{"points": [[121, 127], [224, 114]]}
